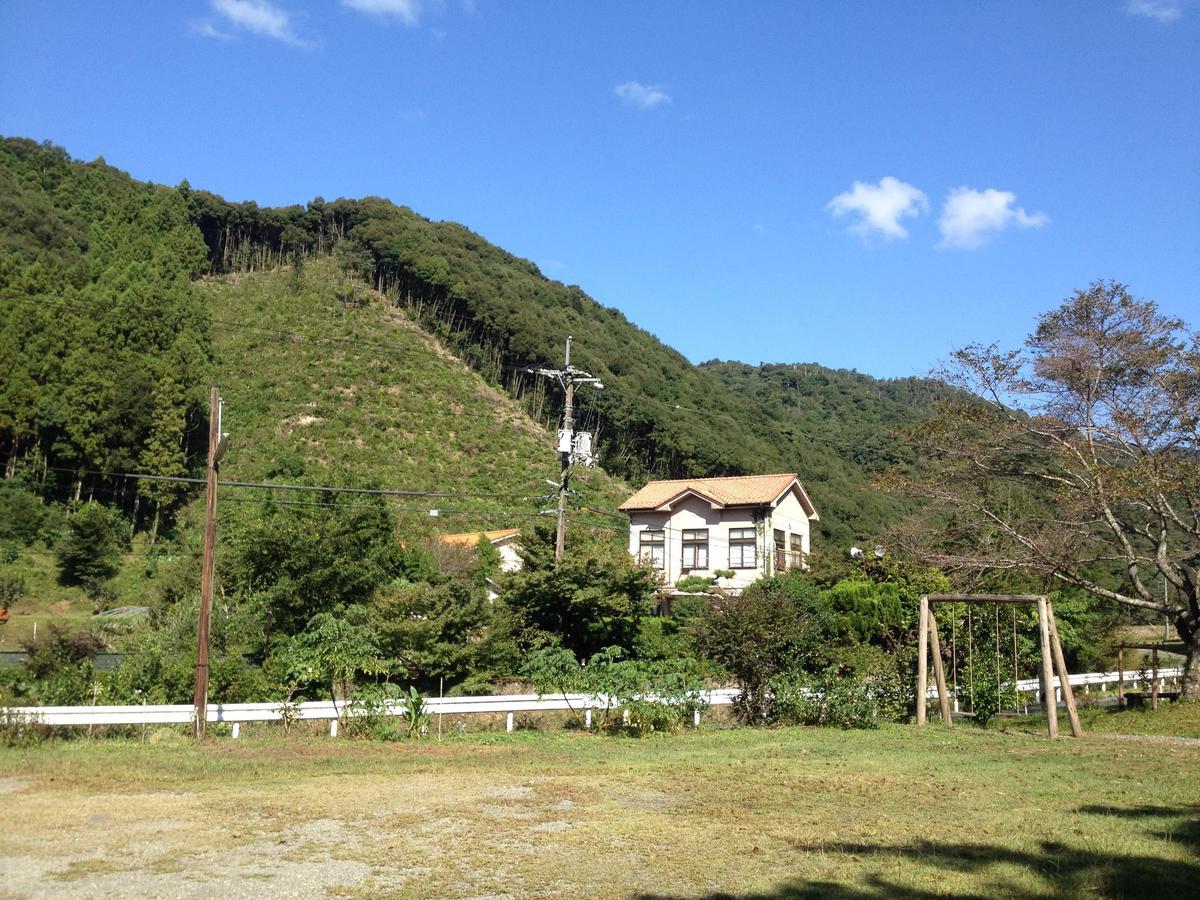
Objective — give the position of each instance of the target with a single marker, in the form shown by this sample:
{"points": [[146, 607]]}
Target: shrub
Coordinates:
{"points": [[23, 517], [12, 589], [368, 716], [695, 584], [18, 731], [988, 697], [102, 592], [638, 697], [841, 701], [59, 648], [415, 713], [776, 625]]}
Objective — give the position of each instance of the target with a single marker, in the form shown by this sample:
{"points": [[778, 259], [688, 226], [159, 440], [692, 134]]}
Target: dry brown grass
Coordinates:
{"points": [[792, 812]]}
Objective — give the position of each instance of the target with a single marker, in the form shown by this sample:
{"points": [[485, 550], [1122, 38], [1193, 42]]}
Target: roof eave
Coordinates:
{"points": [[811, 510]]}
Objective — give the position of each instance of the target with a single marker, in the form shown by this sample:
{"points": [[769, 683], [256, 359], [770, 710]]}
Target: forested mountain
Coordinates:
{"points": [[110, 336], [837, 428], [105, 345]]}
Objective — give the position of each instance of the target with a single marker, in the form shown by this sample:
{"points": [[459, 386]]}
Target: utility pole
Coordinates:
{"points": [[216, 449], [571, 448]]}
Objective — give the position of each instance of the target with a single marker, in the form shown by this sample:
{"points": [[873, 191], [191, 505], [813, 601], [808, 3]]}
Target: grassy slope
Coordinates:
{"points": [[784, 813], [365, 396], [48, 601]]}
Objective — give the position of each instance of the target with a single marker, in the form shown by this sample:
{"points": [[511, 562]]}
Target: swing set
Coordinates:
{"points": [[1050, 650]]}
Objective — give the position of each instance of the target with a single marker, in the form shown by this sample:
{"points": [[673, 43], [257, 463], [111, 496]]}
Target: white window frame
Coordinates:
{"points": [[742, 540], [652, 552], [695, 549]]}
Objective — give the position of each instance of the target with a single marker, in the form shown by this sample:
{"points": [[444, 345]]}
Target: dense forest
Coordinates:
{"points": [[104, 344]]}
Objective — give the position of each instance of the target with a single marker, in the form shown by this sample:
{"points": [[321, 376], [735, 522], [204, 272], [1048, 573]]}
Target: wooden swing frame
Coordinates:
{"points": [[1051, 648]]}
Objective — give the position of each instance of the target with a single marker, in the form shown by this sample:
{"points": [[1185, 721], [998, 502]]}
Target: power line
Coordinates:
{"points": [[157, 554], [280, 486]]}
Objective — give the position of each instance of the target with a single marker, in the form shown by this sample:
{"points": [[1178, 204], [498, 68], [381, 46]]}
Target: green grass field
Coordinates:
{"points": [[733, 812]]}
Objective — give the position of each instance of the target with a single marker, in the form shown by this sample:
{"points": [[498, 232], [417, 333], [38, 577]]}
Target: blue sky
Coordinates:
{"points": [[865, 185]]}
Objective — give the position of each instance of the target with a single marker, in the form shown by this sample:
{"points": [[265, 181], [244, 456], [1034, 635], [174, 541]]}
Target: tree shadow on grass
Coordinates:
{"points": [[1055, 869]]}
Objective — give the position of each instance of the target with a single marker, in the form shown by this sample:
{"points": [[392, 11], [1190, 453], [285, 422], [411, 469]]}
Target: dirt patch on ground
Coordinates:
{"points": [[12, 785]]}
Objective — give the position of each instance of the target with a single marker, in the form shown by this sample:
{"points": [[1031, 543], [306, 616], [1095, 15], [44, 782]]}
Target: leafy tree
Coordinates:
{"points": [[92, 545], [294, 562], [164, 451], [776, 625], [593, 599], [333, 651], [1082, 464], [432, 631]]}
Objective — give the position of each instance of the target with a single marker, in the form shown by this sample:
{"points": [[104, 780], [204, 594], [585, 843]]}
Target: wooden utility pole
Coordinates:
{"points": [[208, 565], [560, 532], [568, 376]]}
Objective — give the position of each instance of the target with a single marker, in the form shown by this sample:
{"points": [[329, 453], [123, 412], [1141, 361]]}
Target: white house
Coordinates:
{"points": [[753, 525], [506, 541]]}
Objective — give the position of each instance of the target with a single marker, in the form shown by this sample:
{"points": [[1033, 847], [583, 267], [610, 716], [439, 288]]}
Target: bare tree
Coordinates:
{"points": [[1082, 463]]}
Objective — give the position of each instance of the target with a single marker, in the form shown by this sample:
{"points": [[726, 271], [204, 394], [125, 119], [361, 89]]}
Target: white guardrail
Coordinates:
{"points": [[506, 704], [236, 713], [1103, 680]]}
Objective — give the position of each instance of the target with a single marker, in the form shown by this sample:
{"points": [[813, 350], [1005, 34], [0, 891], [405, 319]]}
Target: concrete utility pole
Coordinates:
{"points": [[570, 447], [216, 449]]}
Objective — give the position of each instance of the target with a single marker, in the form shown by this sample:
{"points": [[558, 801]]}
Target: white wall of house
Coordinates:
{"points": [[693, 513], [789, 517], [510, 560]]}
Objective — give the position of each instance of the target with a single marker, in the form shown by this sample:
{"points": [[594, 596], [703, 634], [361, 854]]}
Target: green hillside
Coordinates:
{"points": [[660, 416], [325, 382], [111, 334]]}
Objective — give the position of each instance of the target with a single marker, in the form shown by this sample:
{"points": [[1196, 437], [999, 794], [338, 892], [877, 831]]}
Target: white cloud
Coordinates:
{"points": [[643, 96], [407, 11], [205, 28], [259, 17], [879, 207], [1164, 11], [971, 218]]}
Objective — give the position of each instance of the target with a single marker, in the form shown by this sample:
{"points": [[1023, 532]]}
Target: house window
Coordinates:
{"points": [[796, 554], [695, 548], [651, 547], [743, 548], [780, 551]]}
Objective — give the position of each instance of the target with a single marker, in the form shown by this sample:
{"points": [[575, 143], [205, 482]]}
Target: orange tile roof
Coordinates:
{"points": [[471, 538], [738, 490]]}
